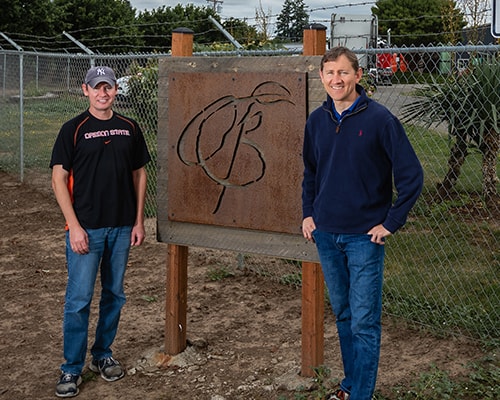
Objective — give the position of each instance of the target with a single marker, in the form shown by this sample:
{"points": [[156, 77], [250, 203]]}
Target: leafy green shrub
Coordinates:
{"points": [[143, 95]]}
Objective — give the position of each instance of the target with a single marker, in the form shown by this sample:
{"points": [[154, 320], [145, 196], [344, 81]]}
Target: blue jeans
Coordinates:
{"points": [[353, 270], [109, 250]]}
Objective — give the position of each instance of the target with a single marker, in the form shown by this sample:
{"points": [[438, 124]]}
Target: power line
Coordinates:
{"points": [[216, 5]]}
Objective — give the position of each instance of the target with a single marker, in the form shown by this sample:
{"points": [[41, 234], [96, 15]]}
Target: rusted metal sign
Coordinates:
{"points": [[234, 149]]}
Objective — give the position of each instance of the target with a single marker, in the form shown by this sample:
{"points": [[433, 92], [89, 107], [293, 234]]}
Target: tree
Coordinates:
{"points": [[470, 105], [111, 26], [156, 26], [453, 22], [476, 11], [416, 22], [102, 25], [23, 17], [106, 26], [476, 14], [240, 30], [292, 20], [263, 22]]}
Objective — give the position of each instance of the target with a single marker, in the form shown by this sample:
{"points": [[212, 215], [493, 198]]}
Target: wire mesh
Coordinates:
{"points": [[442, 268]]}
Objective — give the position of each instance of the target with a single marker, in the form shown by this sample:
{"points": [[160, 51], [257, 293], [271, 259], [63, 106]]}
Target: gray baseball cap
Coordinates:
{"points": [[97, 75]]}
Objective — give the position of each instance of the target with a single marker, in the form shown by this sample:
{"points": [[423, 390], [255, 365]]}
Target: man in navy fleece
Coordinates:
{"points": [[354, 149]]}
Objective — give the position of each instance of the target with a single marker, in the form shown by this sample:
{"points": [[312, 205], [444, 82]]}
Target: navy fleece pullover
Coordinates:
{"points": [[350, 168]]}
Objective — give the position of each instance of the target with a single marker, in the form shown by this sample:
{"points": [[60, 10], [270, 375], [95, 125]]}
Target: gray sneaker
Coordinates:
{"points": [[68, 385], [109, 368]]}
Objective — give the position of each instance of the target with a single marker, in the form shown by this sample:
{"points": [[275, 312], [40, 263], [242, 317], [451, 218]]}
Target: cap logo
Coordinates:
{"points": [[100, 71]]}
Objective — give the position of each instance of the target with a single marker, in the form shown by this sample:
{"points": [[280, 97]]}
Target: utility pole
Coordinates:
{"points": [[216, 5]]}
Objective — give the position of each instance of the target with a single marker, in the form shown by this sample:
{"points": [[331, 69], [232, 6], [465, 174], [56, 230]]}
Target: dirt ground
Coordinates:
{"points": [[244, 330]]}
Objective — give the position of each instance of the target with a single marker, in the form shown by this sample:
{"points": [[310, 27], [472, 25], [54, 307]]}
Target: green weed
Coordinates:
{"points": [[149, 299], [219, 272]]}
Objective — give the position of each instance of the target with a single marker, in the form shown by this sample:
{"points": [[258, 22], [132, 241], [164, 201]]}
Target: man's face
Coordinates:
{"points": [[339, 80], [101, 97]]}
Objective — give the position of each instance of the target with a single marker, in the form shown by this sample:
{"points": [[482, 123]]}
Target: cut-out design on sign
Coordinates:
{"points": [[220, 155]]}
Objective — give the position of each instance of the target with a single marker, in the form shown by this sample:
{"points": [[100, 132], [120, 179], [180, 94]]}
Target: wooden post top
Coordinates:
{"points": [[182, 42], [314, 40]]}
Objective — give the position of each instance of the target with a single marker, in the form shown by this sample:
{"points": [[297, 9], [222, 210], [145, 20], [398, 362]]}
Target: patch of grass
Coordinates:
{"points": [[89, 376], [219, 272], [294, 279], [434, 384], [322, 378], [441, 267], [42, 121], [484, 379], [481, 383], [433, 150], [430, 278]]}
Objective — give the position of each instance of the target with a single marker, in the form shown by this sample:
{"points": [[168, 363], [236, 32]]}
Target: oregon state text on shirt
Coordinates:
{"points": [[106, 133]]}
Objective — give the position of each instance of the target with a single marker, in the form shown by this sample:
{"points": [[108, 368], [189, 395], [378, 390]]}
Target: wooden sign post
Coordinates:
{"points": [[176, 296], [313, 286]]}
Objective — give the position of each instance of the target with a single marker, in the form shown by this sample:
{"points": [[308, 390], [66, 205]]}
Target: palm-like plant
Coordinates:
{"points": [[470, 105]]}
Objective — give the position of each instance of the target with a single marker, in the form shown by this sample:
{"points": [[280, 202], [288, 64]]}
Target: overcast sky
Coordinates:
{"points": [[319, 10]]}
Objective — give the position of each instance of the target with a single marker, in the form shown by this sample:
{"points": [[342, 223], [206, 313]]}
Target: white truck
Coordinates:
{"points": [[360, 32], [356, 32]]}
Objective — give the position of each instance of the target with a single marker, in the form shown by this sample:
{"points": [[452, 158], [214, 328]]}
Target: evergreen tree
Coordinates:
{"points": [[416, 22], [292, 20], [156, 26], [105, 26], [19, 18]]}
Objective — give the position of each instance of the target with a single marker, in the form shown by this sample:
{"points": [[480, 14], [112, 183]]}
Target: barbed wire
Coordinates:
{"points": [[365, 3], [61, 43]]}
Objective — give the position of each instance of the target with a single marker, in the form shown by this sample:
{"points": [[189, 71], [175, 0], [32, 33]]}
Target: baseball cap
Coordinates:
{"points": [[97, 75]]}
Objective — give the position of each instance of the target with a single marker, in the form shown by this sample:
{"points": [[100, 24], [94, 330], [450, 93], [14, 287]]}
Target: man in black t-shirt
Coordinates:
{"points": [[99, 180]]}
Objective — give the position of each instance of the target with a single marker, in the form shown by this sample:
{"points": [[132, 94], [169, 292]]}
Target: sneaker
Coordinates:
{"points": [[109, 368], [68, 385], [339, 394]]}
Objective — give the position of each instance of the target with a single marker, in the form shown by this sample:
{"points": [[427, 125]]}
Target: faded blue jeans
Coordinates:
{"points": [[353, 270], [109, 251]]}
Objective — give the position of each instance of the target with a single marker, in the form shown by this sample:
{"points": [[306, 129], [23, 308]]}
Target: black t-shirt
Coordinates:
{"points": [[100, 156]]}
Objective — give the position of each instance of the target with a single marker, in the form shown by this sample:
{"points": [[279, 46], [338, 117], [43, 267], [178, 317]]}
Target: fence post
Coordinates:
{"points": [[21, 102], [182, 42], [314, 40], [313, 287], [176, 299], [176, 285]]}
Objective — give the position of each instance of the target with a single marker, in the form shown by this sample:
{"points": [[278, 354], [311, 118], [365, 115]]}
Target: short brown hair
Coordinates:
{"points": [[336, 52]]}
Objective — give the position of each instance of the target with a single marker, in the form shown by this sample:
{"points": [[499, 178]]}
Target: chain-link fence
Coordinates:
{"points": [[442, 268]]}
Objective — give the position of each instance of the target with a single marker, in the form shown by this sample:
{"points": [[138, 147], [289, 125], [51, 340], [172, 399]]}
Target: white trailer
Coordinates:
{"points": [[355, 32]]}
